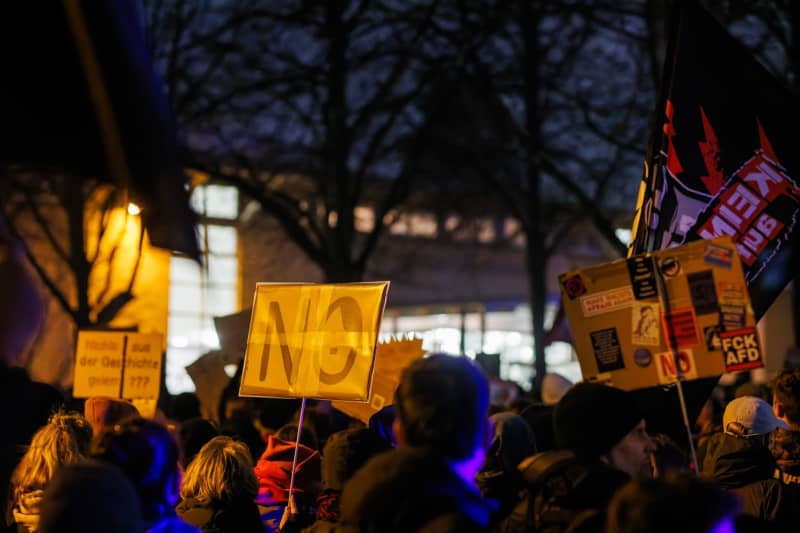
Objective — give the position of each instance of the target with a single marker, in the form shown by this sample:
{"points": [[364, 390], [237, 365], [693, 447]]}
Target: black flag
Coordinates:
{"points": [[725, 159]]}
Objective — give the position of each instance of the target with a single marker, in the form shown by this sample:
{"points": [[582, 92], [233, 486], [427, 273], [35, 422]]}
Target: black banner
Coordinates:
{"points": [[725, 160]]}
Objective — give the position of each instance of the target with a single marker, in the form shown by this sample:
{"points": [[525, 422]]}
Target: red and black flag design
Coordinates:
{"points": [[725, 159]]}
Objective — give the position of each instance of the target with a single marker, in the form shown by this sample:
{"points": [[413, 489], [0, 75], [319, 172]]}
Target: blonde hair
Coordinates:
{"points": [[62, 441], [221, 473]]}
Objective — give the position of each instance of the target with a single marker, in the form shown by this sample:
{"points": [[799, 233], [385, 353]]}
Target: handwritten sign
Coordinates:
{"points": [[313, 340], [118, 364], [391, 359]]}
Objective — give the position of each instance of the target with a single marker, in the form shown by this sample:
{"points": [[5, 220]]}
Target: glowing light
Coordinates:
{"points": [[134, 209]]}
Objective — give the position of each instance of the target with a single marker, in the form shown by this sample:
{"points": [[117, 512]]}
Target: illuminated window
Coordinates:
{"points": [[198, 294], [507, 333]]}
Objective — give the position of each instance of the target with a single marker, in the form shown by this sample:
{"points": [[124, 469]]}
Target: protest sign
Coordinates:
{"points": [[118, 364], [313, 340], [232, 333], [690, 307], [209, 377], [391, 359]]}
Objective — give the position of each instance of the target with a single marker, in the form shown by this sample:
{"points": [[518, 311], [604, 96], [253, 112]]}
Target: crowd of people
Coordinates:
{"points": [[441, 458]]}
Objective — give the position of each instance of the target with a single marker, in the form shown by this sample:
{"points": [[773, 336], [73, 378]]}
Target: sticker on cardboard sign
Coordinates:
{"points": [[645, 329], [718, 256], [642, 357], [670, 267], [574, 286], [732, 316], [607, 351], [741, 350], [731, 293], [643, 277], [711, 336], [665, 363], [606, 301], [680, 325], [703, 292]]}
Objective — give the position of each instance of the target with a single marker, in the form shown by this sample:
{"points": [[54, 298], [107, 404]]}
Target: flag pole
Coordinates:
{"points": [[641, 238], [673, 345], [290, 504]]}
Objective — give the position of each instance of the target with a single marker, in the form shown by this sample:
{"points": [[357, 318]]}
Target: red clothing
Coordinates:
{"points": [[274, 471]]}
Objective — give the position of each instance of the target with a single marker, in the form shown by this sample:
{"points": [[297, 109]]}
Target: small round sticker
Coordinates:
{"points": [[670, 267], [642, 357]]}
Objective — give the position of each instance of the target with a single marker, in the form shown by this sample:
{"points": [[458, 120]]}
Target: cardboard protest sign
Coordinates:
{"points": [[209, 377], [391, 359], [313, 340], [118, 364], [624, 330], [232, 332]]}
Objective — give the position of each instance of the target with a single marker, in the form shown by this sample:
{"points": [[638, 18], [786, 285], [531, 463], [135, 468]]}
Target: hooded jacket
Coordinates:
{"points": [[412, 489], [274, 471], [746, 467]]}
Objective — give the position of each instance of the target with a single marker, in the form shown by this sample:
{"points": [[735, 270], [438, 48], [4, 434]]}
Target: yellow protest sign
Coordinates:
{"points": [[390, 361], [117, 364], [642, 321], [313, 340]]}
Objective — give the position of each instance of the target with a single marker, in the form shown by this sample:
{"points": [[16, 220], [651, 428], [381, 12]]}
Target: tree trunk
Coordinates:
{"points": [[74, 203], [535, 242]]}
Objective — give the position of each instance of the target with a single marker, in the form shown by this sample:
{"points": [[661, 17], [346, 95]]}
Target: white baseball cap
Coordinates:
{"points": [[753, 415]]}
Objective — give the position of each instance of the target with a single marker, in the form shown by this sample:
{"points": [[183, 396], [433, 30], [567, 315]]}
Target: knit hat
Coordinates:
{"points": [[91, 496], [102, 412], [592, 418], [347, 451], [751, 416]]}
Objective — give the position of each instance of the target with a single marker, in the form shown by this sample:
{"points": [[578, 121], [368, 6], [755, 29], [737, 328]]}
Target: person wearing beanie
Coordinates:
{"points": [[598, 422], [428, 482], [601, 444], [741, 462]]}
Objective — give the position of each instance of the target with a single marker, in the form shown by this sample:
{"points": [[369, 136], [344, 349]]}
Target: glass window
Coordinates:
{"points": [[198, 294], [507, 333]]}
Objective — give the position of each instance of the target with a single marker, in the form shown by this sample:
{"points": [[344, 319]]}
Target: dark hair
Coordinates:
{"points": [[650, 505], [194, 434], [442, 402], [147, 454], [308, 436], [786, 390]]}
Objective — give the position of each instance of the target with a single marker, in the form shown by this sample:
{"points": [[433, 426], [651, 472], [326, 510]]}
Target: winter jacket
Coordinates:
{"points": [[565, 493], [274, 471], [746, 467], [786, 452], [412, 489], [241, 518]]}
